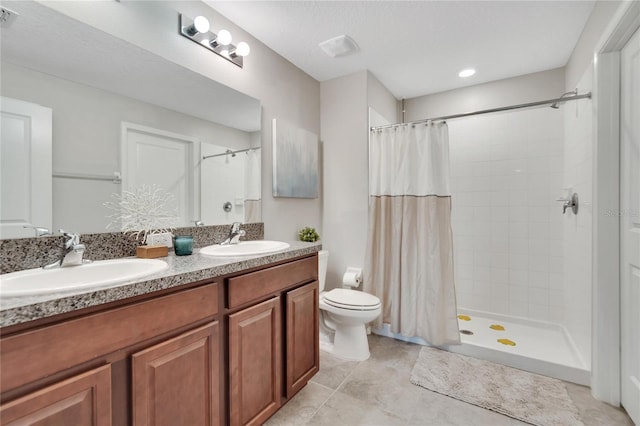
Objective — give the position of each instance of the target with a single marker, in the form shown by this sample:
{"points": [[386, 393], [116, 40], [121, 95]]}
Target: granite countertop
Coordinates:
{"points": [[182, 270]]}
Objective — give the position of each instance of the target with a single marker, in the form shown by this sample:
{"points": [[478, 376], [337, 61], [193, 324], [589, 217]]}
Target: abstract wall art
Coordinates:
{"points": [[295, 161]]}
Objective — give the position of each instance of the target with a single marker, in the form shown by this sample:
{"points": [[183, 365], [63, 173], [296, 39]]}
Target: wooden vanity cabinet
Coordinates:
{"points": [[273, 343], [231, 351], [143, 363]]}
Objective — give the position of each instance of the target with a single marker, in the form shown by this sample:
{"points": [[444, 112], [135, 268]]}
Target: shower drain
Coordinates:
{"points": [[467, 332]]}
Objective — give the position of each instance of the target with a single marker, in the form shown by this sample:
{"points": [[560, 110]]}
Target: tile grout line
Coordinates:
{"points": [[332, 393]]}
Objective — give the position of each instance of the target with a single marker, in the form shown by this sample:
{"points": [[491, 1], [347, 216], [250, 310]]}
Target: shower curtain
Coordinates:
{"points": [[409, 259], [252, 187]]}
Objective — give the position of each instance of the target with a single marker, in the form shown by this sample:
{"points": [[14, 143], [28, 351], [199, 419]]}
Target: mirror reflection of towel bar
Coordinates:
{"points": [[115, 178]]}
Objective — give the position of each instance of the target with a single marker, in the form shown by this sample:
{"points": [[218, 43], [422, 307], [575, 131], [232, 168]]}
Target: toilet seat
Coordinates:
{"points": [[351, 299]]}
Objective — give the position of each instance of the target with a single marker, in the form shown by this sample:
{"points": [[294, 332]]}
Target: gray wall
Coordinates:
{"points": [[286, 92], [345, 131]]}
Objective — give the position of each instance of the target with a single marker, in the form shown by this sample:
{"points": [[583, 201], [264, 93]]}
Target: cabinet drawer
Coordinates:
{"points": [[35, 354], [80, 400], [255, 285]]}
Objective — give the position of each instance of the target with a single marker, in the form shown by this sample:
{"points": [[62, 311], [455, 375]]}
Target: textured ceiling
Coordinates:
{"points": [[417, 47]]}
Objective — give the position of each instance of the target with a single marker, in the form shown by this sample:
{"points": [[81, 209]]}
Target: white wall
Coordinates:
{"points": [[345, 134], [285, 91], [582, 55], [578, 163], [527, 88], [506, 173], [86, 139], [578, 230]]}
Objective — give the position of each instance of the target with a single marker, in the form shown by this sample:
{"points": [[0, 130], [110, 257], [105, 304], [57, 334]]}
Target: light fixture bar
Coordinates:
{"points": [[210, 41]]}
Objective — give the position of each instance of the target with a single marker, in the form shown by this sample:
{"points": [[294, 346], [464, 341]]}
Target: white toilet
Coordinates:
{"points": [[343, 316]]}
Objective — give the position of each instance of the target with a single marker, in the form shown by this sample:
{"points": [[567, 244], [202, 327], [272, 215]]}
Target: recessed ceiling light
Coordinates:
{"points": [[467, 73]]}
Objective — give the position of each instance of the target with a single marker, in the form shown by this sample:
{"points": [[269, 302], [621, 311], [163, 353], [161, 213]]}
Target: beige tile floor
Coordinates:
{"points": [[378, 392]]}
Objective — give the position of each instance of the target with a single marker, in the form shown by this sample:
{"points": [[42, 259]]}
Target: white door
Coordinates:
{"points": [[164, 159], [25, 168], [630, 226]]}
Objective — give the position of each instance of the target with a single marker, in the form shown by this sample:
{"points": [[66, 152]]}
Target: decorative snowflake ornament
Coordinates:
{"points": [[144, 211]]}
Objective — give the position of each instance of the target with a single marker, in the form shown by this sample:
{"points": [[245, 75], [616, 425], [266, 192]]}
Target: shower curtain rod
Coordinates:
{"points": [[487, 111], [229, 152]]}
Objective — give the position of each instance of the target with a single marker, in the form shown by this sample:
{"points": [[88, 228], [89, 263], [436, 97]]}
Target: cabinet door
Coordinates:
{"points": [[177, 382], [84, 399], [255, 362], [303, 357]]}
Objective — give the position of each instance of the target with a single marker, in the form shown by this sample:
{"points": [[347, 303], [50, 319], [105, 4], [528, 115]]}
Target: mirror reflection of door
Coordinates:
{"points": [[164, 159], [25, 168]]}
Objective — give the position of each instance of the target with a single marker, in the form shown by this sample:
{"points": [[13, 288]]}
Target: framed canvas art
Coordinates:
{"points": [[295, 161]]}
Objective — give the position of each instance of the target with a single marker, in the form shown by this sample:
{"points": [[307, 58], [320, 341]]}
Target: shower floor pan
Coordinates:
{"points": [[540, 347]]}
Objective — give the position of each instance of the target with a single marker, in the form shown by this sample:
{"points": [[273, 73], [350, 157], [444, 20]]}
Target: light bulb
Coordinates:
{"points": [[201, 23], [224, 37], [242, 49], [467, 73]]}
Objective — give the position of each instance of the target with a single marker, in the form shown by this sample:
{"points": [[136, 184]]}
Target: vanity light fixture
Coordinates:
{"points": [[198, 31]]}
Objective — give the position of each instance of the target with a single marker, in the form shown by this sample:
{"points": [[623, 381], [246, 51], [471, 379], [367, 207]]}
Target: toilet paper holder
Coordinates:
{"points": [[352, 277]]}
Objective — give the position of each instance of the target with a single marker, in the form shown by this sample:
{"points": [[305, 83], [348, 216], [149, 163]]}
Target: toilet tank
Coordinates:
{"points": [[323, 261]]}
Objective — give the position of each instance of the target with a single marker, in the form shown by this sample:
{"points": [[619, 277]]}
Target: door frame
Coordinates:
{"points": [[41, 166], [194, 190], [606, 365]]}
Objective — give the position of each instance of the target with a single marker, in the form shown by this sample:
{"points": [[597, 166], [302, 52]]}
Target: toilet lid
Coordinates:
{"points": [[342, 297]]}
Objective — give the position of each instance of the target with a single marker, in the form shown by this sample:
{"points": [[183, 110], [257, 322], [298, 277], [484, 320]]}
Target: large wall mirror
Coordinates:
{"points": [[120, 118]]}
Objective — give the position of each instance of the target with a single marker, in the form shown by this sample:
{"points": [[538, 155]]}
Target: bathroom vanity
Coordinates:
{"points": [[226, 349]]}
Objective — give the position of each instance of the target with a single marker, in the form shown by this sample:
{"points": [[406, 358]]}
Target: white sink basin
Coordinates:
{"points": [[36, 282], [244, 248]]}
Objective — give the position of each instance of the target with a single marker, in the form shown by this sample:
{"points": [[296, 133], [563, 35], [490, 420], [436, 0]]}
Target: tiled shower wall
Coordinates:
{"points": [[506, 173], [578, 172]]}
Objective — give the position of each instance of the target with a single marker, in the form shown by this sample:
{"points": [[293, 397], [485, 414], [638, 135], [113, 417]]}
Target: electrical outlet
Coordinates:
{"points": [[163, 239]]}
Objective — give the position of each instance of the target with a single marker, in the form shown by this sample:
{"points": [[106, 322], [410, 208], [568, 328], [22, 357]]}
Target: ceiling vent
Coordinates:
{"points": [[7, 17], [339, 46]]}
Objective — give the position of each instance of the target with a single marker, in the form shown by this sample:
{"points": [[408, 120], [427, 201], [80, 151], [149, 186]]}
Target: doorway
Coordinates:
{"points": [[630, 227]]}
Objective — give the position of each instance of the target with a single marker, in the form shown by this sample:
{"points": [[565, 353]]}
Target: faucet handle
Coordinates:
{"points": [[72, 239], [235, 226], [40, 232]]}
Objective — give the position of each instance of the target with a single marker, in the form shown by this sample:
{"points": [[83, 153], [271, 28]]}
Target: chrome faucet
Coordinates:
{"points": [[71, 253], [234, 234]]}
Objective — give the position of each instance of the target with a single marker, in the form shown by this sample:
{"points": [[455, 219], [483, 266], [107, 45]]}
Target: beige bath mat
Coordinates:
{"points": [[529, 397]]}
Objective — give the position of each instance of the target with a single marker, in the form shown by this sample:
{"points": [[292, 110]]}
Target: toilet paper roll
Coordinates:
{"points": [[352, 277]]}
